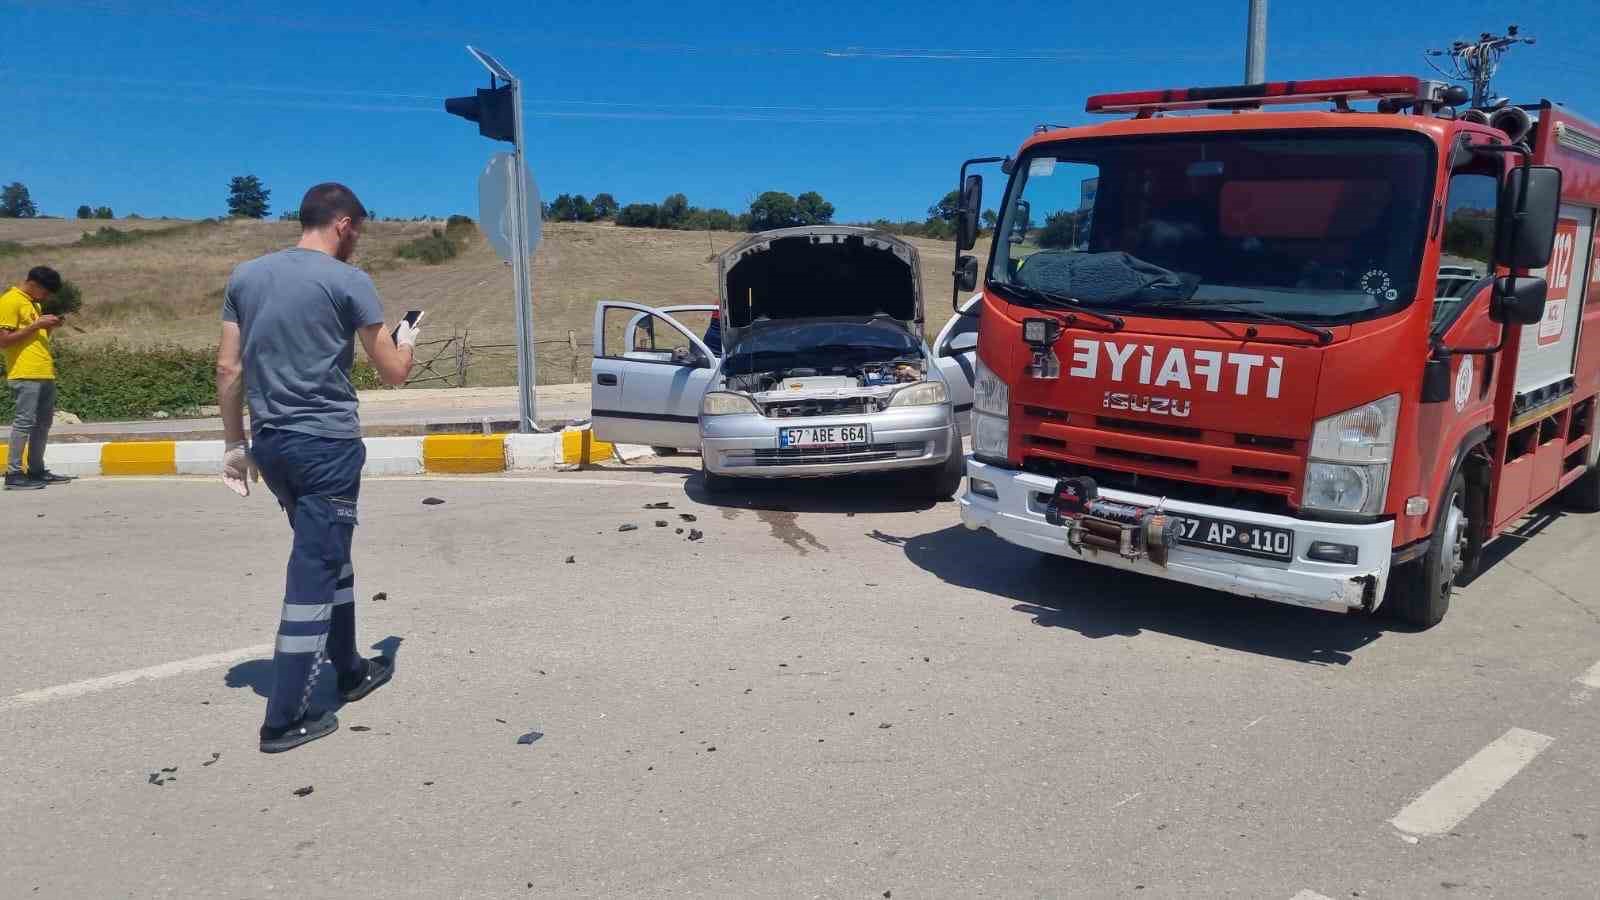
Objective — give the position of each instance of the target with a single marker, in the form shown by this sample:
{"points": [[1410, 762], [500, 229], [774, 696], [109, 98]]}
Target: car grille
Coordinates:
{"points": [[826, 406], [816, 456]]}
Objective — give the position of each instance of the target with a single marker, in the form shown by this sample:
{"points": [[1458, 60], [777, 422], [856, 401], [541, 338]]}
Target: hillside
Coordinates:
{"points": [[166, 288]]}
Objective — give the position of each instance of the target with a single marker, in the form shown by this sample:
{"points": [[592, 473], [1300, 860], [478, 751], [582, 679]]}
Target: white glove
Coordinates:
{"points": [[238, 469], [405, 334]]}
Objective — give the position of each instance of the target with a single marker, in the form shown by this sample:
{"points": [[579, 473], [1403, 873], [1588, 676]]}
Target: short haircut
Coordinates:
{"points": [[326, 202], [45, 277]]}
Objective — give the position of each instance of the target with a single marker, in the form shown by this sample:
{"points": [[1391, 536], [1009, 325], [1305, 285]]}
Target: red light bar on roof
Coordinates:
{"points": [[1370, 87]]}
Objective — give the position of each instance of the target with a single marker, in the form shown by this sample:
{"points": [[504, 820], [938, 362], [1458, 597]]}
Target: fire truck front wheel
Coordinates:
{"points": [[1419, 591]]}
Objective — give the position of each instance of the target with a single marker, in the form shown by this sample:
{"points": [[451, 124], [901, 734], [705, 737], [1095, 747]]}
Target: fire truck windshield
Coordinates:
{"points": [[1321, 226]]}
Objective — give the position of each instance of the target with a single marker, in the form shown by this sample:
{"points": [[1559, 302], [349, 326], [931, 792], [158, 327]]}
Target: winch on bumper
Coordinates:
{"points": [[1156, 536]]}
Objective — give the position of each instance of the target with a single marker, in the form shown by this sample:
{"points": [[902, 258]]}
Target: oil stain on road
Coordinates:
{"points": [[785, 527]]}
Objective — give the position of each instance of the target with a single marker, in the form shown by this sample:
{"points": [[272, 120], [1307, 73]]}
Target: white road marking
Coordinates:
{"points": [[1309, 895], [1454, 797], [119, 679], [1253, 722], [1591, 678], [1127, 799]]}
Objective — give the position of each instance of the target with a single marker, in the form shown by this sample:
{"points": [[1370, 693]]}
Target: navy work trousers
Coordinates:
{"points": [[317, 481]]}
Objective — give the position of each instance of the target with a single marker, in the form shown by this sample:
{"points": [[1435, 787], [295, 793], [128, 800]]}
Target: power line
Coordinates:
{"points": [[1477, 61]]}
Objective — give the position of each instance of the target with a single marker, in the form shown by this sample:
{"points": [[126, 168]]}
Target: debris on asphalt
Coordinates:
{"points": [[696, 534], [662, 505], [169, 770], [628, 527], [680, 531], [427, 784], [501, 721], [305, 791], [884, 725], [785, 618], [530, 737], [661, 523], [711, 749], [213, 760], [688, 517], [156, 779], [431, 501], [571, 560], [360, 728], [381, 595]]}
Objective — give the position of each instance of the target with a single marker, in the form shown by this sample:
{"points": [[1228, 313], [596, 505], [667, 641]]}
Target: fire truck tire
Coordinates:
{"points": [[1583, 495], [1419, 591]]}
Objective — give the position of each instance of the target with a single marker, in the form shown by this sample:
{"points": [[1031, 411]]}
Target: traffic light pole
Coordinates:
{"points": [[522, 271]]}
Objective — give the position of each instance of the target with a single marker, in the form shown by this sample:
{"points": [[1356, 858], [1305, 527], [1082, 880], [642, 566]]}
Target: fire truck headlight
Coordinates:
{"points": [[1334, 487], [1348, 470], [991, 416]]}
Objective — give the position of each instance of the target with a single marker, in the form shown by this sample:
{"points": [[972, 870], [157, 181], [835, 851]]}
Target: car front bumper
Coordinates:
{"points": [[910, 437], [1017, 514]]}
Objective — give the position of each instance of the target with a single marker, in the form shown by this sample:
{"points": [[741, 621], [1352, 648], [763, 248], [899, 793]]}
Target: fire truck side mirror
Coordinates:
{"points": [[1525, 226], [1518, 300], [966, 274], [967, 214]]}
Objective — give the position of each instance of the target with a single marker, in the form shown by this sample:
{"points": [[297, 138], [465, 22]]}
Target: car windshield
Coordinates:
{"points": [[820, 343], [1320, 227]]}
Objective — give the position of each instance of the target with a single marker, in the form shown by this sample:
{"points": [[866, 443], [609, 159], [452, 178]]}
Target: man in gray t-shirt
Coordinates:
{"points": [[289, 324]]}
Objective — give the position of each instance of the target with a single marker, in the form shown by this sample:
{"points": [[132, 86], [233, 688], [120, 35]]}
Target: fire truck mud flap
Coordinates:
{"points": [[1014, 506]]}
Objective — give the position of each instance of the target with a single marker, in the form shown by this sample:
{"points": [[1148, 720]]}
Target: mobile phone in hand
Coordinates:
{"points": [[412, 317]]}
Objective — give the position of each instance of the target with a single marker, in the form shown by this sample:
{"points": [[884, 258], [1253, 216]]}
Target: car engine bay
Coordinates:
{"points": [[829, 390]]}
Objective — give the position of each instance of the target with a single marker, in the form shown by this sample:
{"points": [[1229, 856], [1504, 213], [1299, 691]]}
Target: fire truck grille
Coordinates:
{"points": [[1172, 488]]}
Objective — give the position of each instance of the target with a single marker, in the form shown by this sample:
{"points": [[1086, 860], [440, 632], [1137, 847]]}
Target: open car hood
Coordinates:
{"points": [[818, 271]]}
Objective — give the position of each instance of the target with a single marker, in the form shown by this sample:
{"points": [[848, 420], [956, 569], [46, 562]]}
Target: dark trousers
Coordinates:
{"points": [[35, 404], [317, 481]]}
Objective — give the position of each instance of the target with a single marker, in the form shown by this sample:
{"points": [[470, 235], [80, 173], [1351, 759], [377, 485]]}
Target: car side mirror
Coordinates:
{"points": [[1518, 299], [1525, 222], [967, 213], [966, 274], [961, 343]]}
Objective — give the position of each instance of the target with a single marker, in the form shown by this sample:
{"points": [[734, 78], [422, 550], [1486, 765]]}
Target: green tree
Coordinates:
{"points": [[561, 208], [104, 212], [673, 211], [16, 202], [289, 215], [812, 209], [774, 209], [639, 215], [247, 197], [1060, 229], [605, 206], [84, 212], [582, 209], [990, 219]]}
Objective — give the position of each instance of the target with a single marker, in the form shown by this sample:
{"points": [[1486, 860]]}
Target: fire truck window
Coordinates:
{"points": [[1467, 241]]}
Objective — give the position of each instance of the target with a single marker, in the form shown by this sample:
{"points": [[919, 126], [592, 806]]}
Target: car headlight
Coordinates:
{"points": [[725, 403], [1350, 454], [926, 393], [989, 394], [991, 416]]}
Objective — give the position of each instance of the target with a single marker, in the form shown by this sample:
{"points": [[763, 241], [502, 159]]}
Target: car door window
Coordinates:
{"points": [[1467, 243], [644, 337]]}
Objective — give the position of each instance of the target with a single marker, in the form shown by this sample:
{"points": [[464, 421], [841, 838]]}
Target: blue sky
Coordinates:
{"points": [[150, 106]]}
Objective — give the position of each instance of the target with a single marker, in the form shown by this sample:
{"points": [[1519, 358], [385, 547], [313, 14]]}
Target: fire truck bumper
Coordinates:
{"points": [[1013, 505]]}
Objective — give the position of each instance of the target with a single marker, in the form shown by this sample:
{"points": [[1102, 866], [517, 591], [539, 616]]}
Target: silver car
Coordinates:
{"points": [[819, 366]]}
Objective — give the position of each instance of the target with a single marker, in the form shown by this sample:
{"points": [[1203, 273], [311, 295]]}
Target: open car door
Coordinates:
{"points": [[648, 375], [956, 352]]}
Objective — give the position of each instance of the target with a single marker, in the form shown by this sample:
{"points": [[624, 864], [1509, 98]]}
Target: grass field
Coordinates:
{"points": [[167, 287]]}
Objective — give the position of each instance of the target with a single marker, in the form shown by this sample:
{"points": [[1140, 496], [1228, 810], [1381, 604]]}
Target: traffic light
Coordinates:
{"points": [[491, 108]]}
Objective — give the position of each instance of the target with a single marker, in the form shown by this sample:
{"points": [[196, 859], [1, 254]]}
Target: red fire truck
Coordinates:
{"points": [[1319, 357]]}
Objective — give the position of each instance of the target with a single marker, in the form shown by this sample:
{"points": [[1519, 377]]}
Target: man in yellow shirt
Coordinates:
{"points": [[31, 374]]}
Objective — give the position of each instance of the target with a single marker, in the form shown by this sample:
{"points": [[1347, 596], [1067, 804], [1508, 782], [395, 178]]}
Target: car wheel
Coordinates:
{"points": [[716, 484], [944, 480], [1419, 591]]}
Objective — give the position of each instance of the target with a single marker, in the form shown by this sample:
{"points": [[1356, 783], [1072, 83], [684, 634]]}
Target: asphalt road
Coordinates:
{"points": [[834, 693]]}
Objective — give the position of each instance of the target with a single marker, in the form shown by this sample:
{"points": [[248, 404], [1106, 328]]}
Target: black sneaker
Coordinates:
{"points": [[378, 671], [308, 729], [49, 477], [23, 483]]}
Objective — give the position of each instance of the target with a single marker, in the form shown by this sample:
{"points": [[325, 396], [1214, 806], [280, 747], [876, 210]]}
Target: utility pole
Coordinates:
{"points": [[1477, 61], [1255, 47]]}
